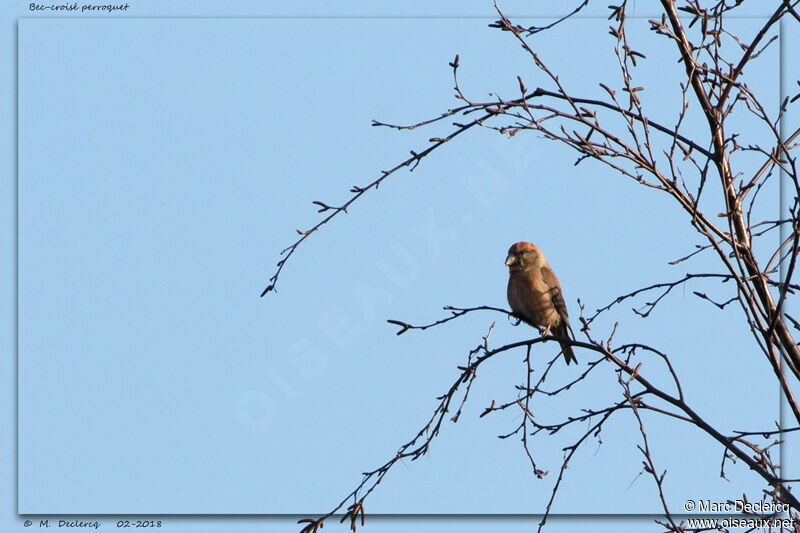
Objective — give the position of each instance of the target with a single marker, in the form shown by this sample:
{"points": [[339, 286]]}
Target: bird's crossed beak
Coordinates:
{"points": [[511, 260]]}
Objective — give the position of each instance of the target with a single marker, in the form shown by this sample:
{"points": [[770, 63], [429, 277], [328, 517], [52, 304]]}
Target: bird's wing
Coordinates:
{"points": [[554, 289]]}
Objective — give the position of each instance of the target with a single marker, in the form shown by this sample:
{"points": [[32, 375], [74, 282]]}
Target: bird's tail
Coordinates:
{"points": [[569, 355]]}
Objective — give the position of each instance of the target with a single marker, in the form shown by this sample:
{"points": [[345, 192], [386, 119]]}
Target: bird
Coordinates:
{"points": [[534, 294]]}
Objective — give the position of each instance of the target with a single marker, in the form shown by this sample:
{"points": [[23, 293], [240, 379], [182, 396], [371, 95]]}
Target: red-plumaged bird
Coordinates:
{"points": [[534, 293]]}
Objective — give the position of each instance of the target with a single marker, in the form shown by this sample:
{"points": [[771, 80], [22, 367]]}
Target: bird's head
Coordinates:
{"points": [[524, 255]]}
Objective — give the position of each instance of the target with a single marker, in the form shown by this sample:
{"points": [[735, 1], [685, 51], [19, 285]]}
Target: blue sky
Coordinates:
{"points": [[163, 164]]}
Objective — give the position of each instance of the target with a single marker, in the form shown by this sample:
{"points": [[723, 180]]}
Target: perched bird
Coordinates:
{"points": [[534, 294]]}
